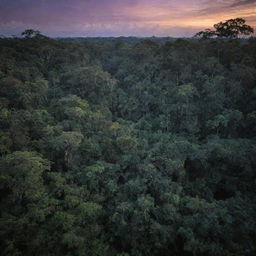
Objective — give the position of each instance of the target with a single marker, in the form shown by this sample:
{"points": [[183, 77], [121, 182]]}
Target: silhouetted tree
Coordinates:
{"points": [[30, 33], [229, 29], [206, 34], [232, 28]]}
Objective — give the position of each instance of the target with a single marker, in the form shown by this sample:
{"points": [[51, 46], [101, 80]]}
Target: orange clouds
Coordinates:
{"points": [[198, 14], [121, 17]]}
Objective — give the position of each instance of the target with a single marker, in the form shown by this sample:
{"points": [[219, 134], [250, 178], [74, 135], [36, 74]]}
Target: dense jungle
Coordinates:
{"points": [[127, 146]]}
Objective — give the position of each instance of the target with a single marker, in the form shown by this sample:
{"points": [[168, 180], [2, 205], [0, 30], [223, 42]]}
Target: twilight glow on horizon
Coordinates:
{"points": [[66, 18]]}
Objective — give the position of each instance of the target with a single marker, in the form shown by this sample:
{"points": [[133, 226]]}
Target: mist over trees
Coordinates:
{"points": [[128, 149]]}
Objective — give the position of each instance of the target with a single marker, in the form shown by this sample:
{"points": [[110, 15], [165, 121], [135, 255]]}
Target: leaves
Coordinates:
{"points": [[127, 146]]}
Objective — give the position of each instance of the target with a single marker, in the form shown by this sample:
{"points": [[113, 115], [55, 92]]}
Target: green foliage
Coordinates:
{"points": [[22, 175], [128, 147]]}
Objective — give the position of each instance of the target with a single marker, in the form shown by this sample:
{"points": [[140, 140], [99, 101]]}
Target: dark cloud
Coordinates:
{"points": [[243, 2], [222, 7]]}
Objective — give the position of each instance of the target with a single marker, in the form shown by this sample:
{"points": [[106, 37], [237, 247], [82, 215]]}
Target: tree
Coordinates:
{"points": [[206, 34], [232, 28], [30, 33], [21, 173], [66, 144], [229, 29], [90, 83]]}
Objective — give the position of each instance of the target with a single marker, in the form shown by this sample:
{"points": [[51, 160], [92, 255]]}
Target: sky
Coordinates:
{"points": [[72, 18]]}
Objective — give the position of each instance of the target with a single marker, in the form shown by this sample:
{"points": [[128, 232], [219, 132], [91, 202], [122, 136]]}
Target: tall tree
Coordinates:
{"points": [[231, 28]]}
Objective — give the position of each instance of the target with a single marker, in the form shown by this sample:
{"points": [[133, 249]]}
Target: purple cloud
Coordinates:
{"points": [[118, 17], [243, 2]]}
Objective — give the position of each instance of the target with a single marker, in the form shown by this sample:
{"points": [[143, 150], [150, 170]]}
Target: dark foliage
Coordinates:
{"points": [[229, 29], [109, 147]]}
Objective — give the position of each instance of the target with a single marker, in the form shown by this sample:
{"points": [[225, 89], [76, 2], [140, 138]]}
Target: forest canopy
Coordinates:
{"points": [[115, 148]]}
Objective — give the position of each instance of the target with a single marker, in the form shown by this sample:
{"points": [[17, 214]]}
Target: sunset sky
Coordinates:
{"points": [[120, 17]]}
